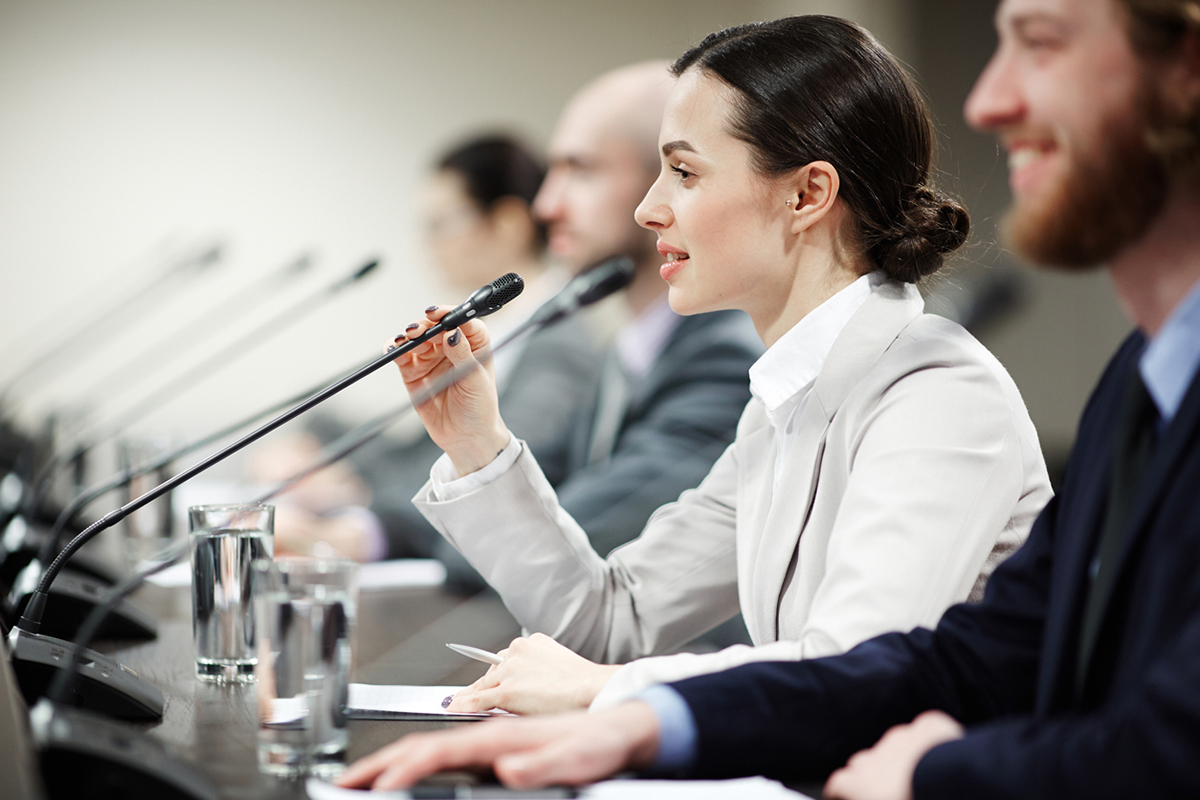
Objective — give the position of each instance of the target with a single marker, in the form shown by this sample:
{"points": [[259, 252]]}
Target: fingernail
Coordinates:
{"points": [[431, 309], [453, 339], [447, 701], [391, 347]]}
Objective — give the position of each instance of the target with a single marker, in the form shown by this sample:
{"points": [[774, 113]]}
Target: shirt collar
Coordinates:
{"points": [[794, 361], [1170, 361], [642, 341]]}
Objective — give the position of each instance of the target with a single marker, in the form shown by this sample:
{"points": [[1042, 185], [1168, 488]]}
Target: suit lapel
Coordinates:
{"points": [[872, 329], [1176, 441]]}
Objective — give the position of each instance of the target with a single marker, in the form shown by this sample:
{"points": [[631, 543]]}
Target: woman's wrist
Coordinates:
{"points": [[597, 679], [476, 454]]}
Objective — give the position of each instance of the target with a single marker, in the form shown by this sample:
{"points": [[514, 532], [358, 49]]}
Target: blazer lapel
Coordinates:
{"points": [[872, 329], [1176, 440]]}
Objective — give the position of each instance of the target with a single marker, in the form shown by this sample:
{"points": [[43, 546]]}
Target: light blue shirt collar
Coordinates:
{"points": [[1170, 361]]}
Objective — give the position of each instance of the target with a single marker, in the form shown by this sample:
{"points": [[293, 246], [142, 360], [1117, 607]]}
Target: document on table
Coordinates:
{"points": [[401, 573], [379, 701], [741, 788]]}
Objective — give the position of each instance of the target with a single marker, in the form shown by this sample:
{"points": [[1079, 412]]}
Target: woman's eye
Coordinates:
{"points": [[681, 172]]}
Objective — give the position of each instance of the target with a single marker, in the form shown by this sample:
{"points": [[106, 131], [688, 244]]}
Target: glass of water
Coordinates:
{"points": [[226, 540], [305, 615]]}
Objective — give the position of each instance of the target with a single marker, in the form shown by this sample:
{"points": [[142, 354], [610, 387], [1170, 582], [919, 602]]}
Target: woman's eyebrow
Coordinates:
{"points": [[679, 144]]}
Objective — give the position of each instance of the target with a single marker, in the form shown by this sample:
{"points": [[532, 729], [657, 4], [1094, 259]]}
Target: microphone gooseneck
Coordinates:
{"points": [[499, 292], [593, 285]]}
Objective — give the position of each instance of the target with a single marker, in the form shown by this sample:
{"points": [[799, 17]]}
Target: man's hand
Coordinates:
{"points": [[885, 771], [538, 676], [525, 753]]}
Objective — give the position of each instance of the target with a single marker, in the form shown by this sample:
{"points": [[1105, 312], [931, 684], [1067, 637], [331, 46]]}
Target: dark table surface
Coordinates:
{"points": [[400, 638]]}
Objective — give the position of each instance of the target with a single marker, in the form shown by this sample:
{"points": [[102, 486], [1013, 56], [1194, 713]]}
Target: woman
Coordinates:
{"points": [[886, 461]]}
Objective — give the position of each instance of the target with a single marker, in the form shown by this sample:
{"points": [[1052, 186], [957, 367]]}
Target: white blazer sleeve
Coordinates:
{"points": [[675, 581]]}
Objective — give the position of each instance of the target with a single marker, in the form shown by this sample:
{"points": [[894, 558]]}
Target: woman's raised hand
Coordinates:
{"points": [[463, 419], [538, 676]]}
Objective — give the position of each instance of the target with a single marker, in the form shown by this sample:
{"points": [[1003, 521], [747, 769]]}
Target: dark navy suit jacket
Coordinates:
{"points": [[1006, 667]]}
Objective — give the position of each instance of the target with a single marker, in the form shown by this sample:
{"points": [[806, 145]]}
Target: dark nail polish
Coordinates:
{"points": [[431, 309], [391, 347], [412, 326], [453, 339], [446, 703]]}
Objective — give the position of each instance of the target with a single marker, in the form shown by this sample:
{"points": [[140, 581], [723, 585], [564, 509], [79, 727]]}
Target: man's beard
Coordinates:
{"points": [[1106, 202]]}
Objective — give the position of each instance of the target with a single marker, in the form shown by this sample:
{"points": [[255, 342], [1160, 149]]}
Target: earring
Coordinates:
{"points": [[787, 203]]}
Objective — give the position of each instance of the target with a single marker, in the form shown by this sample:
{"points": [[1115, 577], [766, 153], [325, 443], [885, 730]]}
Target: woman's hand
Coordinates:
{"points": [[525, 753], [463, 419], [538, 676]]}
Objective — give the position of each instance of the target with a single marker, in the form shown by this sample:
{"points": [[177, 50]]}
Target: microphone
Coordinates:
{"points": [[593, 284], [33, 655], [588, 287], [177, 385]]}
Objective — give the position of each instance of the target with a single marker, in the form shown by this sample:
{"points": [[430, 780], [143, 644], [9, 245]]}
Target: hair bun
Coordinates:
{"points": [[932, 225]]}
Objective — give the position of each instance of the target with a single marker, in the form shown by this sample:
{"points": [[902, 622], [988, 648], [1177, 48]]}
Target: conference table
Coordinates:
{"points": [[400, 639]]}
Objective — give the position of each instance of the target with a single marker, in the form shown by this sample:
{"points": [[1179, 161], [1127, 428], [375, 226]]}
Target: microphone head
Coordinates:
{"points": [[606, 278], [365, 269], [505, 288]]}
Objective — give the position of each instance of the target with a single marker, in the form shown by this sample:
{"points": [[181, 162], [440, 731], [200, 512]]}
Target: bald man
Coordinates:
{"points": [[669, 399]]}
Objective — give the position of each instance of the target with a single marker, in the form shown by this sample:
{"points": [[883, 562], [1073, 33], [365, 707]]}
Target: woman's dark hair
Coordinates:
{"points": [[494, 167], [818, 88]]}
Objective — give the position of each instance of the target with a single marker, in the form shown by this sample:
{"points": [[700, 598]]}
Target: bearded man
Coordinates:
{"points": [[1078, 676]]}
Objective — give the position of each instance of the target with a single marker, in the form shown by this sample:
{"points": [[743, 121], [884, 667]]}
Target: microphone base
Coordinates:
{"points": [[71, 598], [103, 684], [82, 755]]}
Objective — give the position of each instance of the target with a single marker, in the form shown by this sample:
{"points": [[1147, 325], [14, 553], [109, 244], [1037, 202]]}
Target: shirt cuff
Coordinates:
{"points": [[677, 734], [447, 486]]}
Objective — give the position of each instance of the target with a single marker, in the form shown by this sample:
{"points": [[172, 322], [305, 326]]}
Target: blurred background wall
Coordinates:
{"points": [[132, 131]]}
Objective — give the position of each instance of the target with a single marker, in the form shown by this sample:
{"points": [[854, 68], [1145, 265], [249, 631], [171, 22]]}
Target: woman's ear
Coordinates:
{"points": [[814, 189]]}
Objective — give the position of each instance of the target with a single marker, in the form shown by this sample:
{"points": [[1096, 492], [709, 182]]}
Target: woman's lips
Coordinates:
{"points": [[673, 267]]}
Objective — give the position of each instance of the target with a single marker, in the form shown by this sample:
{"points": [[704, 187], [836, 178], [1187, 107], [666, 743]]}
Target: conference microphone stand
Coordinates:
{"points": [[37, 657]]}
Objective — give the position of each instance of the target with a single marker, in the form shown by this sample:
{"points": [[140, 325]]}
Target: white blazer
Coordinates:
{"points": [[916, 471]]}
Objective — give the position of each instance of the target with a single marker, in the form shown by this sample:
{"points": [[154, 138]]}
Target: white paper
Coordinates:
{"points": [[404, 573], [751, 788], [741, 788], [409, 700], [176, 575], [401, 573], [286, 710]]}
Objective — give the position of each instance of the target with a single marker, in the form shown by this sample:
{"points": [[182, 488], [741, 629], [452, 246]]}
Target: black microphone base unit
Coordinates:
{"points": [[69, 601], [103, 684], [85, 756]]}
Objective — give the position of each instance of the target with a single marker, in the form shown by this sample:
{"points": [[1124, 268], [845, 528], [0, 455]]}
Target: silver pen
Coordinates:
{"points": [[475, 653]]}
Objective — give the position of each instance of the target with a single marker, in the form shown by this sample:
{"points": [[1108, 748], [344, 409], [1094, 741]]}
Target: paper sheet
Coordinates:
{"points": [[741, 788], [403, 573], [422, 700]]}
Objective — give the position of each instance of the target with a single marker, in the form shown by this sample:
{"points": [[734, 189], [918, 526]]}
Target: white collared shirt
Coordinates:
{"points": [[783, 376]]}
